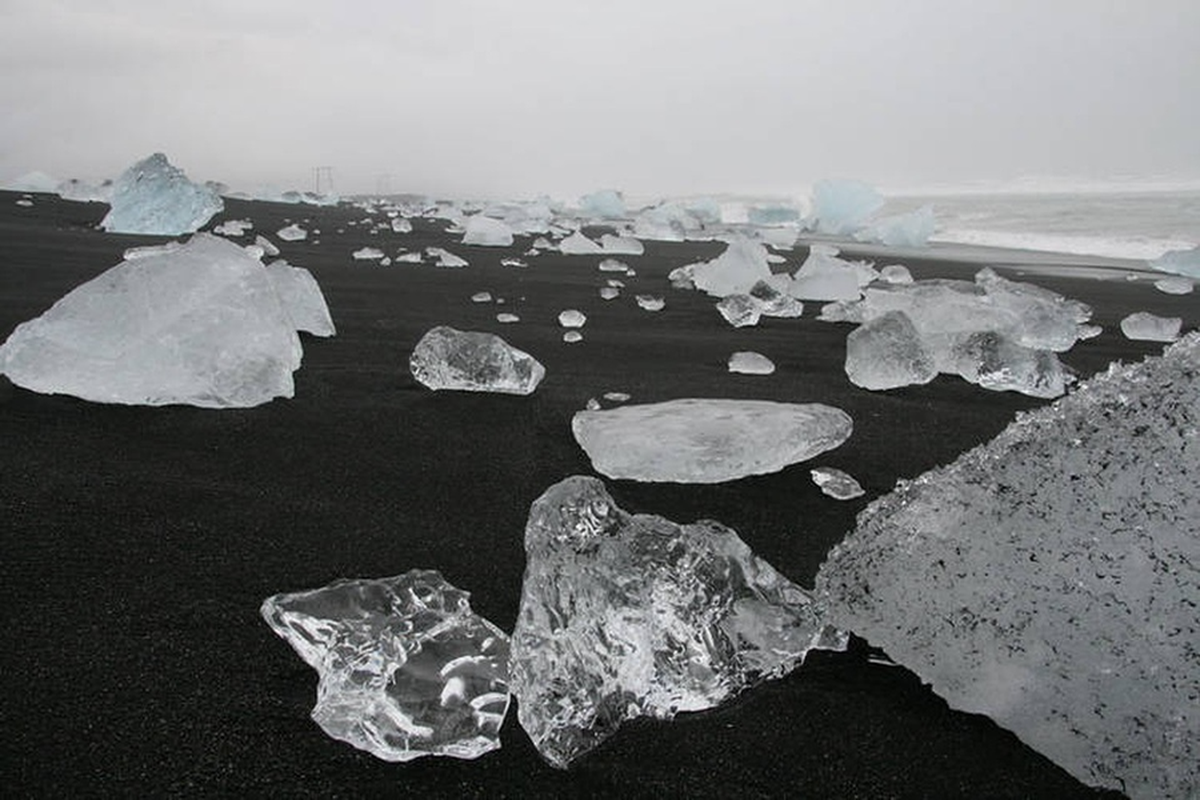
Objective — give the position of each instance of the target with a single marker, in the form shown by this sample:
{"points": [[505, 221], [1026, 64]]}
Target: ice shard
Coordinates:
{"points": [[1049, 578], [740, 310], [481, 230], [445, 258], [824, 276], [292, 233], [627, 615], [199, 324], [406, 668], [301, 298], [155, 197], [697, 440], [735, 271], [1149, 327], [473, 361], [579, 245]]}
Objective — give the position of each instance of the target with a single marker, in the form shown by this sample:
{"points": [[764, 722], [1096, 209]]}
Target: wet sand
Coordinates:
{"points": [[138, 543]]}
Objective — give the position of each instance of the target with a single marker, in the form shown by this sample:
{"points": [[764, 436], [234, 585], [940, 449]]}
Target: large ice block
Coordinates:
{"points": [[735, 271], [481, 230], [887, 352], [1149, 327], [473, 361], [842, 206], [302, 298], [628, 615], [697, 440], [1049, 578], [406, 668], [155, 197]]}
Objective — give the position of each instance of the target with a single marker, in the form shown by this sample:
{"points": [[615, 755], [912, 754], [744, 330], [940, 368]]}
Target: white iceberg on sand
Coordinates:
{"points": [[155, 197]]}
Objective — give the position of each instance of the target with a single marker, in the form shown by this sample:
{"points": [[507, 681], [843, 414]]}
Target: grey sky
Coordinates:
{"points": [[515, 98]]}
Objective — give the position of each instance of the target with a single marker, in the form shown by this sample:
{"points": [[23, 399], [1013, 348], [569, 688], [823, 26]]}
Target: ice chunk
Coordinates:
{"points": [[604, 204], [409, 258], [1181, 262], [995, 362], [824, 276], [735, 271], [747, 362], [901, 230], [1145, 326], [842, 206], [609, 293], [572, 318], [445, 258], [837, 484], [401, 225], [628, 615], [35, 181], [740, 310], [612, 265], [887, 352], [24, 202], [267, 247], [507, 318], [83, 192], [406, 668], [367, 254], [292, 233], [649, 302], [579, 245], [661, 224], [234, 227], [481, 230], [570, 337], [301, 298], [895, 273], [473, 361], [481, 297], [513, 262], [1048, 578], [707, 441], [616, 397], [155, 197], [774, 301], [199, 324], [1174, 285], [621, 245], [134, 253], [774, 214]]}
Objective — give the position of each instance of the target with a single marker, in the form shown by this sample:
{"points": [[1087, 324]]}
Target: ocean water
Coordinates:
{"points": [[1117, 224]]}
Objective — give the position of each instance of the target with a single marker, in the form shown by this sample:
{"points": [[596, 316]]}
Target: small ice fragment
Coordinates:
{"points": [[579, 245], [740, 310], [1144, 326], [824, 276], [622, 245], [650, 303], [481, 297], [134, 253], [1182, 262], [592, 404], [233, 227], [743, 264], [402, 225], [615, 283], [367, 254], [776, 302], [570, 337], [572, 318], [292, 233], [445, 257], [609, 292], [473, 361], [1174, 285], [267, 246], [613, 265], [895, 273], [24, 203], [616, 397], [507, 318], [409, 258], [837, 484], [513, 262], [748, 362], [301, 298]]}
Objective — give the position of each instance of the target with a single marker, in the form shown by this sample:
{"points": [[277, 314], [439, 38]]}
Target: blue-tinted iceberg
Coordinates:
{"points": [[155, 197], [604, 204], [901, 230], [840, 207]]}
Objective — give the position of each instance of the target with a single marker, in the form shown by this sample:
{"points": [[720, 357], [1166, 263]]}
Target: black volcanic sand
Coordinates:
{"points": [[138, 543]]}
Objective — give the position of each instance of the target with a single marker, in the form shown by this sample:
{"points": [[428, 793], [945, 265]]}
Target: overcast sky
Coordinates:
{"points": [[514, 98]]}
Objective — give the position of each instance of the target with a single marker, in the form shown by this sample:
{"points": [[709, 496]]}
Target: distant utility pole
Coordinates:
{"points": [[327, 174]]}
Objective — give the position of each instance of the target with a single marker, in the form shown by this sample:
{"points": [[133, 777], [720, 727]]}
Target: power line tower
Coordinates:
{"points": [[325, 173]]}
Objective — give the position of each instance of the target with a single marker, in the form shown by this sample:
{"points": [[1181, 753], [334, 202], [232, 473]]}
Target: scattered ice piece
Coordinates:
{"points": [[842, 206], [507, 318], [622, 245], [649, 302], [570, 337], [1174, 285], [579, 245], [895, 273], [901, 230], [23, 202], [267, 246], [774, 301], [627, 615], [199, 324], [616, 397], [615, 283], [836, 484], [748, 362], [367, 254], [445, 257], [301, 298], [613, 265], [609, 293], [481, 297], [604, 204], [292, 233], [542, 243], [743, 264], [1048, 578], [707, 441], [1144, 326], [571, 318], [155, 197], [887, 352], [592, 404], [824, 276], [995, 362], [488, 232], [473, 361], [740, 310], [1181, 262], [134, 253], [233, 227], [401, 225], [681, 277], [513, 262], [409, 258], [406, 668], [386, 261]]}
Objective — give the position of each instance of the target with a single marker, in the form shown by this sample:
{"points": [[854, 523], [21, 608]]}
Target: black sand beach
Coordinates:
{"points": [[136, 544]]}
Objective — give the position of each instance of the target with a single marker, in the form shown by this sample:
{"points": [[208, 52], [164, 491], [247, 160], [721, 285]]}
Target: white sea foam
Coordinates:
{"points": [[1132, 247]]}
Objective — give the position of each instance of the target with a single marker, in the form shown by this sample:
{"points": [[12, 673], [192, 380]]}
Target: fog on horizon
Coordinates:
{"points": [[469, 98]]}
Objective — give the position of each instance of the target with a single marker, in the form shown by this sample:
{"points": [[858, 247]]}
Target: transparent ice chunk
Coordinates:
{"points": [[748, 362], [473, 361], [837, 484], [1149, 327], [887, 352]]}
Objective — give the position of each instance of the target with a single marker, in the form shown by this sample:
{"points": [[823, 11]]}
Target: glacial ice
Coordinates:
{"points": [[895, 273], [604, 204], [696, 440], [199, 324], [507, 318], [233, 227], [155, 197], [406, 668], [735, 271], [572, 336], [609, 293], [473, 361], [1181, 262], [513, 262], [445, 258], [1144, 326], [621, 245], [267, 247], [1048, 578], [748, 362], [887, 352], [1174, 285], [35, 181], [773, 214], [993, 361], [292, 233], [649, 302], [488, 232], [481, 297], [823, 277], [628, 615], [579, 245], [836, 484], [301, 298], [842, 206], [612, 265], [740, 310], [572, 318], [901, 230], [661, 225], [367, 254], [401, 225]]}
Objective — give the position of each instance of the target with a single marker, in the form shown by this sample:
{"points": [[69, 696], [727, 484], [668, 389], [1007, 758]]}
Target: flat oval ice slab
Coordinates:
{"points": [[473, 361], [406, 668], [697, 440]]}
